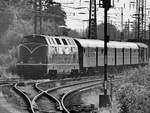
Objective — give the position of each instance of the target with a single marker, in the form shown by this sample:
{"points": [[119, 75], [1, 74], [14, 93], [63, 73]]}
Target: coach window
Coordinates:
{"points": [[58, 41], [64, 42], [102, 50]]}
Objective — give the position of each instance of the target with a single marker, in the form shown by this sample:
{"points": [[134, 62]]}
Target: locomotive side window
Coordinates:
{"points": [[53, 41], [69, 41], [64, 42], [72, 42], [58, 41], [49, 40]]}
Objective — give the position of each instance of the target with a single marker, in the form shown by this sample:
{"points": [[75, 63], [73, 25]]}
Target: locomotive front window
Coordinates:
{"points": [[35, 39], [58, 41], [64, 41], [38, 56]]}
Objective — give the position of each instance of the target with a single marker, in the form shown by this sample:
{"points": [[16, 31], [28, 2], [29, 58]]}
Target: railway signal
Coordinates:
{"points": [[104, 99]]}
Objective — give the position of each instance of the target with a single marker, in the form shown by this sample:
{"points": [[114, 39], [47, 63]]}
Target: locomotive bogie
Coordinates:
{"points": [[63, 68], [27, 71]]}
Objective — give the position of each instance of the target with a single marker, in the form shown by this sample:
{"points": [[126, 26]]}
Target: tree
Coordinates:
{"points": [[6, 17], [133, 99], [53, 12], [17, 19], [133, 93], [74, 34], [111, 29]]}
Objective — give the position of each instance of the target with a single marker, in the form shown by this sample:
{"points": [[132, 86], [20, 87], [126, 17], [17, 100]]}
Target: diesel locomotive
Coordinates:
{"points": [[41, 56]]}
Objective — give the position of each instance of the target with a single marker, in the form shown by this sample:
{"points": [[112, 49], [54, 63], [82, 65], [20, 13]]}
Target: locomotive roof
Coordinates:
{"points": [[60, 40]]}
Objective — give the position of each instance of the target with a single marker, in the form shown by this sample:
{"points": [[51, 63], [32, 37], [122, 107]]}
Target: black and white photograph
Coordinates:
{"points": [[74, 56]]}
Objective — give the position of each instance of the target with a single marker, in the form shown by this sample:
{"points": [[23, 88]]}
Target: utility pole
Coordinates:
{"points": [[140, 10], [137, 29], [106, 4]]}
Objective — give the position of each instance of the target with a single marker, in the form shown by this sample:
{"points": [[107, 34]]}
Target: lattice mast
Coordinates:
{"points": [[140, 11], [92, 31]]}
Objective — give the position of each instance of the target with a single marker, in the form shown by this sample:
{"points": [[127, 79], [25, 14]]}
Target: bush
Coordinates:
{"points": [[133, 95], [8, 62]]}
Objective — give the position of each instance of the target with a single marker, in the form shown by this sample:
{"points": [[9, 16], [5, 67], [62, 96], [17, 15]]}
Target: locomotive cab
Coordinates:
{"points": [[32, 56], [62, 56]]}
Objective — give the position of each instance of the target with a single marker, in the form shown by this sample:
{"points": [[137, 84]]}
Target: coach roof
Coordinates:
{"points": [[142, 45], [93, 43], [115, 44], [99, 43]]}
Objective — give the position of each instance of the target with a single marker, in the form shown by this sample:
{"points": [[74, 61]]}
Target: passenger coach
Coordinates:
{"points": [[120, 55]]}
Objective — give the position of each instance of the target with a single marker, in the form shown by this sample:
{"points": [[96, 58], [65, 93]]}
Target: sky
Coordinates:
{"points": [[79, 22]]}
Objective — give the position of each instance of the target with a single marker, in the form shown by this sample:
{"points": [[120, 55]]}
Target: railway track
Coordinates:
{"points": [[11, 96], [68, 105], [29, 91], [67, 99], [46, 96], [50, 100], [46, 103]]}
